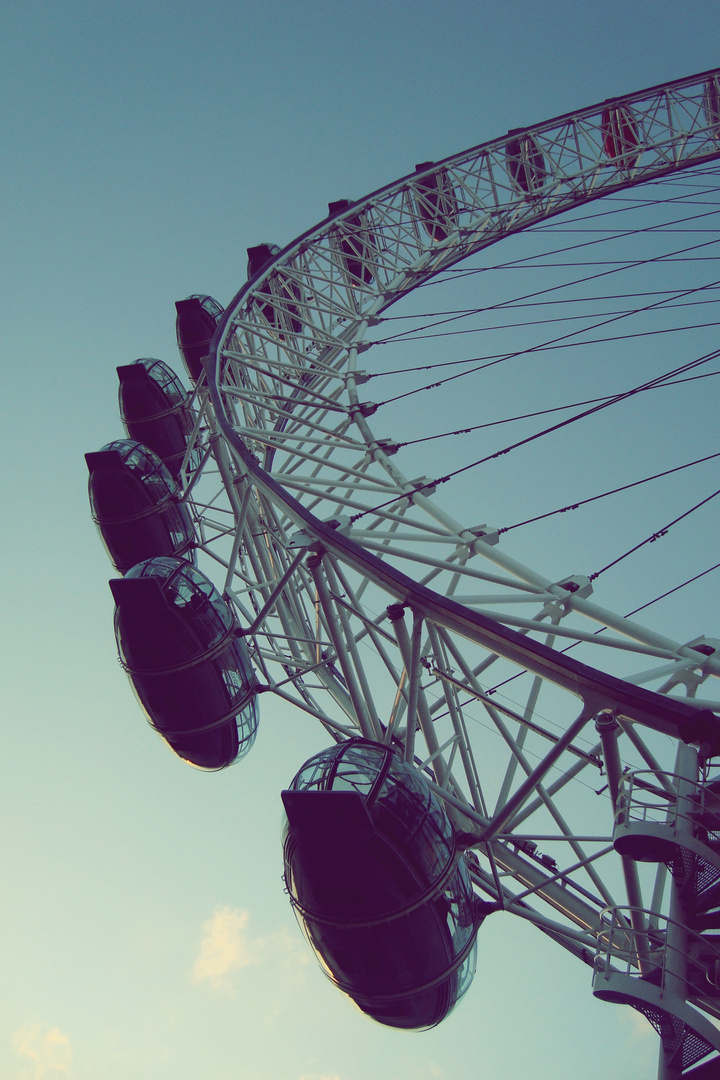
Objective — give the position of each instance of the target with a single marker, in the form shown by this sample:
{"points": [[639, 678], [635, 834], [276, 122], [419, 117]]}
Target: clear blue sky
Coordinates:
{"points": [[143, 928]]}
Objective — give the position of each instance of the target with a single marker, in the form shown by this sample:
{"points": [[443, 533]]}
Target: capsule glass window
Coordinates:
{"points": [[353, 241], [378, 883], [620, 136]]}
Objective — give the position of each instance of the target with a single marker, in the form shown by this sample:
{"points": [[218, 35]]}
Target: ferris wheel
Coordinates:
{"points": [[497, 739]]}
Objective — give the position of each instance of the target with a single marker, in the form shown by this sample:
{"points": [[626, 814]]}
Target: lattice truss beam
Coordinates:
{"points": [[376, 612]]}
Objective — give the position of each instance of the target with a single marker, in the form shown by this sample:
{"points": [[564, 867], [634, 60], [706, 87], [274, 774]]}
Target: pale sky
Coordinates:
{"points": [[144, 931]]}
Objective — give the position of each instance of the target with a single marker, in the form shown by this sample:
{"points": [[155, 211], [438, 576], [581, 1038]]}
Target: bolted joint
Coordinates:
{"points": [[577, 585], [605, 723], [365, 408]]}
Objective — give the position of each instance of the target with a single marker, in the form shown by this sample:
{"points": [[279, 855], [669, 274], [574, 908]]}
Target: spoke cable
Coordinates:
{"points": [[545, 412], [658, 380], [613, 491]]}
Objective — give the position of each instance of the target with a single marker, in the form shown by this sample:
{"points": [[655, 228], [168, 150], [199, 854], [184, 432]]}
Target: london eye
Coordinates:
{"points": [[306, 523]]}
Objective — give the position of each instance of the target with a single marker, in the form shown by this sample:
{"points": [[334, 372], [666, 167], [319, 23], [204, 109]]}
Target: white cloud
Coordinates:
{"points": [[46, 1050], [226, 947]]}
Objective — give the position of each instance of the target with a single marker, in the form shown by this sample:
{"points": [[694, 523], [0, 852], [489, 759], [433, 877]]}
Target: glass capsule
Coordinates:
{"points": [[179, 642], [354, 243], [197, 319], [375, 875], [283, 295], [620, 137], [525, 164], [134, 503], [711, 106], [156, 411], [436, 203]]}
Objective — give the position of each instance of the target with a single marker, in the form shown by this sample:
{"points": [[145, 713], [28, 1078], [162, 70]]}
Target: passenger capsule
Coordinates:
{"points": [[282, 311], [178, 641], [134, 503], [155, 410], [711, 106], [436, 203], [353, 241], [195, 325], [525, 164], [620, 137], [374, 873]]}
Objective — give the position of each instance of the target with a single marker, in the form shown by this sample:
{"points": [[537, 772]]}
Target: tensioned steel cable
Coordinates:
{"points": [[614, 491], [544, 412], [602, 629], [526, 261], [691, 365], [456, 273], [562, 339]]}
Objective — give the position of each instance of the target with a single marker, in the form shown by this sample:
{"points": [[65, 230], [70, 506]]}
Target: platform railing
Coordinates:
{"points": [[645, 796], [619, 947]]}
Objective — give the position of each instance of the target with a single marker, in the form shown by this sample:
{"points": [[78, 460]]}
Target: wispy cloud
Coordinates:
{"points": [[226, 947], [320, 1076], [46, 1051]]}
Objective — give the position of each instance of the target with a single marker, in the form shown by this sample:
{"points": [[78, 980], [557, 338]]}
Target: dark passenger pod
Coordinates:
{"points": [[436, 203], [180, 643], [379, 885], [156, 410], [195, 324], [134, 503]]}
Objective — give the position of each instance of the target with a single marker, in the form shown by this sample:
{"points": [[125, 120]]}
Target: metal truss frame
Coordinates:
{"points": [[374, 611]]}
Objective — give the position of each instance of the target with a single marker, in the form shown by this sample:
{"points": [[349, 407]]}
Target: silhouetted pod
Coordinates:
{"points": [[620, 137], [373, 870], [436, 203], [282, 311], [155, 410], [195, 325], [525, 164], [711, 106], [133, 499], [178, 641], [353, 241]]}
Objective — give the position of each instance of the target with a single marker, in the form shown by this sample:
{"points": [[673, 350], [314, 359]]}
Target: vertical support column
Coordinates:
{"points": [[682, 896], [410, 653]]}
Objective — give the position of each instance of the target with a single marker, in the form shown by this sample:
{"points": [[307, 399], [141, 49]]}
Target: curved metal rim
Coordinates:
{"points": [[598, 690]]}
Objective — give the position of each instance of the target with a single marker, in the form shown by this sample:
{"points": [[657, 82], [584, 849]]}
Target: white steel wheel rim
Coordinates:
{"points": [[294, 441]]}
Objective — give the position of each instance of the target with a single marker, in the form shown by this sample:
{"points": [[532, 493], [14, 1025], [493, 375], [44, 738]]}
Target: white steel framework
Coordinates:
{"points": [[376, 612]]}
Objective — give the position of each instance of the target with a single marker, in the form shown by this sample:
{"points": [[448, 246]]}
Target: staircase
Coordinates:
{"points": [[665, 966]]}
